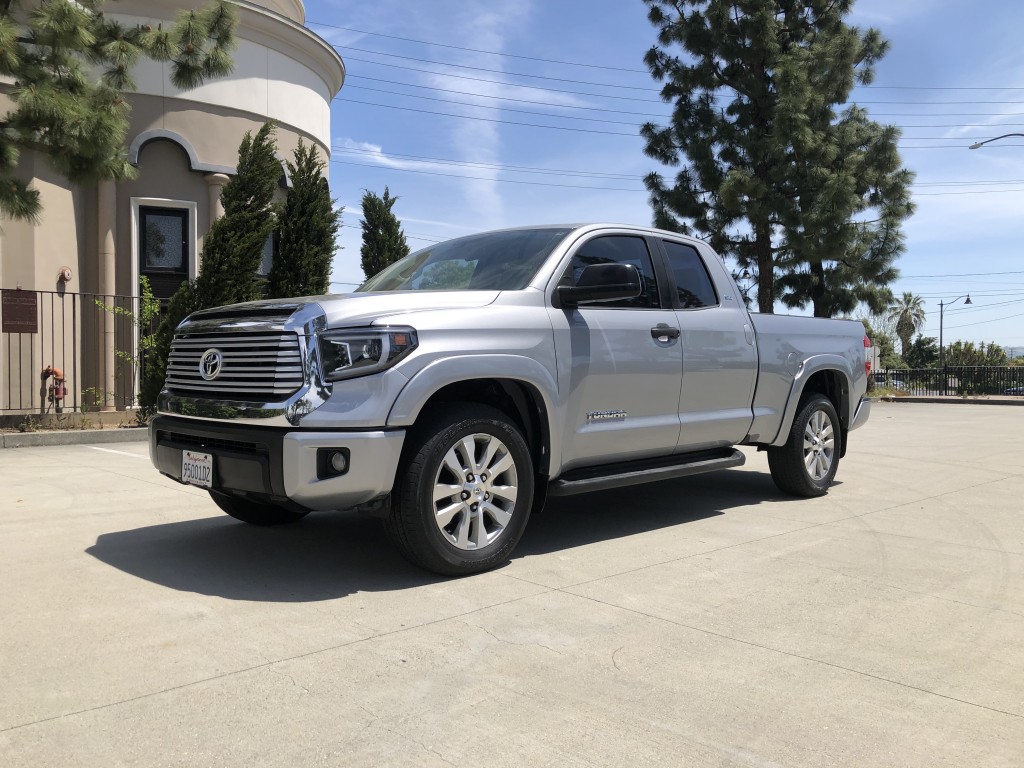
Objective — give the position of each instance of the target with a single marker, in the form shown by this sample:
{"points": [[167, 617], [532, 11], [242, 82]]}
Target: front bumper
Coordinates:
{"points": [[280, 466]]}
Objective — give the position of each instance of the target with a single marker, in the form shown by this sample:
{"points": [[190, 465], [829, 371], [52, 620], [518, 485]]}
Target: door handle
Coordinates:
{"points": [[663, 332]]}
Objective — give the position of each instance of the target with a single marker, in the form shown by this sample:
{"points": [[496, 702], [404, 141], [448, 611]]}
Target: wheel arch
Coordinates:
{"points": [[827, 375], [514, 385]]}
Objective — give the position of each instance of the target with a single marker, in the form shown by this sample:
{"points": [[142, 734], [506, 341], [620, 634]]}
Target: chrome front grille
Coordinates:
{"points": [[253, 366]]}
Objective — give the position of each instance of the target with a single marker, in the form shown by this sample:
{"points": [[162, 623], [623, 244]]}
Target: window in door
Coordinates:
{"points": [[164, 247], [617, 249]]}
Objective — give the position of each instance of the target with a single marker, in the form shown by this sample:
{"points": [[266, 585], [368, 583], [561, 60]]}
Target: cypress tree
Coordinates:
{"points": [[309, 226], [383, 239], [810, 201], [232, 251], [63, 110], [233, 248], [154, 364]]}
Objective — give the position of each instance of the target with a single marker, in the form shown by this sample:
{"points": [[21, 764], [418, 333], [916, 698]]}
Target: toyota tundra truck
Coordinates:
{"points": [[458, 389]]}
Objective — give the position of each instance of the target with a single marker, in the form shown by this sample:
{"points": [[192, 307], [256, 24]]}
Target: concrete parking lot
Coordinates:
{"points": [[703, 622]]}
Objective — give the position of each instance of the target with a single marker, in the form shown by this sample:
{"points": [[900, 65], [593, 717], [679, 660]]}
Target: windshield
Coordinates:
{"points": [[492, 261]]}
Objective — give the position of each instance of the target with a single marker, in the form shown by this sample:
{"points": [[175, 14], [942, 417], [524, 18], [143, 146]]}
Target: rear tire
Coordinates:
{"points": [[806, 465], [463, 492], [255, 512]]}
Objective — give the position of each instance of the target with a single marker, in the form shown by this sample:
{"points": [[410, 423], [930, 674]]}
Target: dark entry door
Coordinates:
{"points": [[163, 248]]}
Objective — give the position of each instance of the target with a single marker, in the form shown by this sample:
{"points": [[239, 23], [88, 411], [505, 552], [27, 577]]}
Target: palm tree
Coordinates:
{"points": [[908, 314]]}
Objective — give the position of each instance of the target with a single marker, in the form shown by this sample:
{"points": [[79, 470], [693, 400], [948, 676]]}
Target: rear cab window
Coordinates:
{"points": [[693, 286]]}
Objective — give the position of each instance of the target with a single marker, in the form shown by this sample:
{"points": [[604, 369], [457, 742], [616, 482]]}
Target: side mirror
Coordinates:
{"points": [[601, 282]]}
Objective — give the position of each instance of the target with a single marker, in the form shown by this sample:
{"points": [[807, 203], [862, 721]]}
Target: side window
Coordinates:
{"points": [[269, 252], [693, 285], [617, 249]]}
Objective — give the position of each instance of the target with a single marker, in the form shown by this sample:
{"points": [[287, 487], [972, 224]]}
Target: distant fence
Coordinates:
{"points": [[954, 380], [41, 330]]}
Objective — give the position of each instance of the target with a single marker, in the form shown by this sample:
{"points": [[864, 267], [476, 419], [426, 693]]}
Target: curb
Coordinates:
{"points": [[996, 400], [74, 437]]}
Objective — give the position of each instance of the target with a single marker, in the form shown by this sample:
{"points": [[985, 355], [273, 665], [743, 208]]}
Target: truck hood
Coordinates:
{"points": [[351, 309], [363, 308]]}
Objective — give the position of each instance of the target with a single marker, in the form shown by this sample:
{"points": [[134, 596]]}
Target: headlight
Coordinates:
{"points": [[359, 351]]}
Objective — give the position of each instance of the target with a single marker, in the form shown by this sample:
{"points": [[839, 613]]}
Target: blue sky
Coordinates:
{"points": [[953, 75]]}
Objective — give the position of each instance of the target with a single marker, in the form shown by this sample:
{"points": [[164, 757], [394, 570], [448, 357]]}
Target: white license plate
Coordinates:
{"points": [[197, 468]]}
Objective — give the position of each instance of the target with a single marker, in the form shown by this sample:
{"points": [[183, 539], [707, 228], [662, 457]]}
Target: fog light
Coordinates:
{"points": [[332, 462], [338, 462]]}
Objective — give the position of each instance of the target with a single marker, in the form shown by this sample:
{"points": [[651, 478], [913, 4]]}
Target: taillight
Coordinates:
{"points": [[867, 355]]}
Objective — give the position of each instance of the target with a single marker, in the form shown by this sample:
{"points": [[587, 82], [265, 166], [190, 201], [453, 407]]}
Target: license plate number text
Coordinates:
{"points": [[197, 469]]}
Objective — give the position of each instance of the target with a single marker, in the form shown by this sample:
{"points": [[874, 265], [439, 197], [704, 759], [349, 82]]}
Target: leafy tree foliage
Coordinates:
{"points": [[309, 226], [810, 201], [62, 109], [923, 353], [908, 314], [888, 358], [383, 238], [965, 353], [232, 250]]}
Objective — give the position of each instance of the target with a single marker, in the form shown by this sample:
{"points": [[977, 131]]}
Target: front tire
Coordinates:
{"points": [[464, 490], [255, 512], [806, 465]]}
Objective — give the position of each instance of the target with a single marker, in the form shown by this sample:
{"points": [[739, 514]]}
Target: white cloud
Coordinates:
{"points": [[485, 26]]}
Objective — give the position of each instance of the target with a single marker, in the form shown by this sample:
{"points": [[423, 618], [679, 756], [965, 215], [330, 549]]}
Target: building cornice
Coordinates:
{"points": [[293, 9], [260, 25]]}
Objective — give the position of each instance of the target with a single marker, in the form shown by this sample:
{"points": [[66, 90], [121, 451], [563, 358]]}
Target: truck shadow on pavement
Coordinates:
{"points": [[330, 555], [573, 521]]}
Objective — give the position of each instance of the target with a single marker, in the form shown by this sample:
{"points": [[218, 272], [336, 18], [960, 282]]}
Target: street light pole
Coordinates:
{"points": [[979, 144], [942, 314]]}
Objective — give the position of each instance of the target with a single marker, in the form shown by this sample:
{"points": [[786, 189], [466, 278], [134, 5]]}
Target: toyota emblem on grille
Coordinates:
{"points": [[210, 364]]}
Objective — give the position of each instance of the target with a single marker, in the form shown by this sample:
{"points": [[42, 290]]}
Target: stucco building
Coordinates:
{"points": [[185, 146]]}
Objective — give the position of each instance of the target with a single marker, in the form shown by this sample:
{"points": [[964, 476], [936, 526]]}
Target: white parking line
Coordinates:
{"points": [[111, 450]]}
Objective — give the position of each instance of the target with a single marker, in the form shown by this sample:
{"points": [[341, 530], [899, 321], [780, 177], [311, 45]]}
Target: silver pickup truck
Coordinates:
{"points": [[455, 391]]}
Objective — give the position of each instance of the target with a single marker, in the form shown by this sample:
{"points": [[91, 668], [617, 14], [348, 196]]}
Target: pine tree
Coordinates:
{"points": [[309, 226], [63, 111], [232, 251], [808, 201], [383, 239]]}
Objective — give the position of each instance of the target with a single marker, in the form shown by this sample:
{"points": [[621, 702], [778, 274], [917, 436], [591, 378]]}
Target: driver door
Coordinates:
{"points": [[619, 363]]}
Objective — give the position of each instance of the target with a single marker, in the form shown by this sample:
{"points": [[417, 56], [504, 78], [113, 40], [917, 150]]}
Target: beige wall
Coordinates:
{"points": [[31, 256], [167, 162], [292, 73], [213, 132], [281, 69]]}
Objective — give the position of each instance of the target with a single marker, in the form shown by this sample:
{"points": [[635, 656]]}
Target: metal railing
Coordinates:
{"points": [[45, 330], [954, 380]]}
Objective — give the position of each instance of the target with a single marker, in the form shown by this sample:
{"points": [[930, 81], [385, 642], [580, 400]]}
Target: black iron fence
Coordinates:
{"points": [[954, 380], [63, 351]]}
